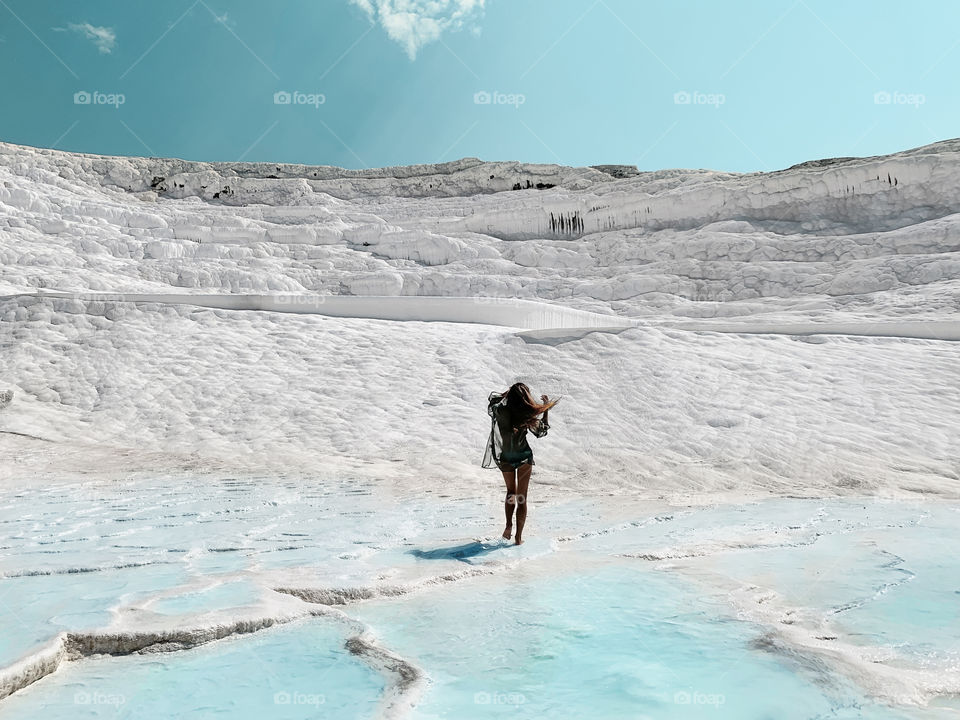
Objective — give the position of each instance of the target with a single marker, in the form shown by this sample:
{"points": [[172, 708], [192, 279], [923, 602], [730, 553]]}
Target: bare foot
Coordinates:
{"points": [[518, 541], [508, 531]]}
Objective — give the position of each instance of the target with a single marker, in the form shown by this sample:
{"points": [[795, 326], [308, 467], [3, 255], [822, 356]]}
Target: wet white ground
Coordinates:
{"points": [[798, 608]]}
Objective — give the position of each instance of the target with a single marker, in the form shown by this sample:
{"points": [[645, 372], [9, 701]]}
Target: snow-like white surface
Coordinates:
{"points": [[710, 332], [286, 368]]}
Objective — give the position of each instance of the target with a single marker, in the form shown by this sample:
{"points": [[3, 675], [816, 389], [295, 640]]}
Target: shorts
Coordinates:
{"points": [[511, 461]]}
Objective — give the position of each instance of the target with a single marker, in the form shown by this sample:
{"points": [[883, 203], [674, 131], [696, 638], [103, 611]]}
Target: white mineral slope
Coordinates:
{"points": [[788, 332], [514, 313], [923, 329]]}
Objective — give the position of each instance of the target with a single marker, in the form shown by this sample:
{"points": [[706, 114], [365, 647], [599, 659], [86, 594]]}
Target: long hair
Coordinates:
{"points": [[523, 409]]}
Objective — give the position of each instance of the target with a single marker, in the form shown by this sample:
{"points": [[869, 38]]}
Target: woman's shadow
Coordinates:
{"points": [[463, 553]]}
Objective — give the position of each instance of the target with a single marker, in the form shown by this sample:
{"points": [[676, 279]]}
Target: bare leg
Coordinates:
{"points": [[510, 478], [523, 483]]}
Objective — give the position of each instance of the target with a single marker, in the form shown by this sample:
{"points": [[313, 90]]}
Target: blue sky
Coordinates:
{"points": [[741, 86]]}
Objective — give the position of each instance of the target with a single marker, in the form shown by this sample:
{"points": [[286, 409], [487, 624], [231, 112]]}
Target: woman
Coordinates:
{"points": [[513, 413]]}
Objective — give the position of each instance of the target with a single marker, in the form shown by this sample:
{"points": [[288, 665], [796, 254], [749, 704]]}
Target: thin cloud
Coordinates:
{"points": [[415, 23], [103, 37]]}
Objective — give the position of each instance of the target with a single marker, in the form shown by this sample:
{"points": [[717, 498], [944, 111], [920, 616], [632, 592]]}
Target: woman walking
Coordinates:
{"points": [[513, 413]]}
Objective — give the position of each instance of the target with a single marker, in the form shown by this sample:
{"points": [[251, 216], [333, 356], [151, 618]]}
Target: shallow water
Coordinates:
{"points": [[782, 608], [295, 671], [230, 594], [615, 640]]}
